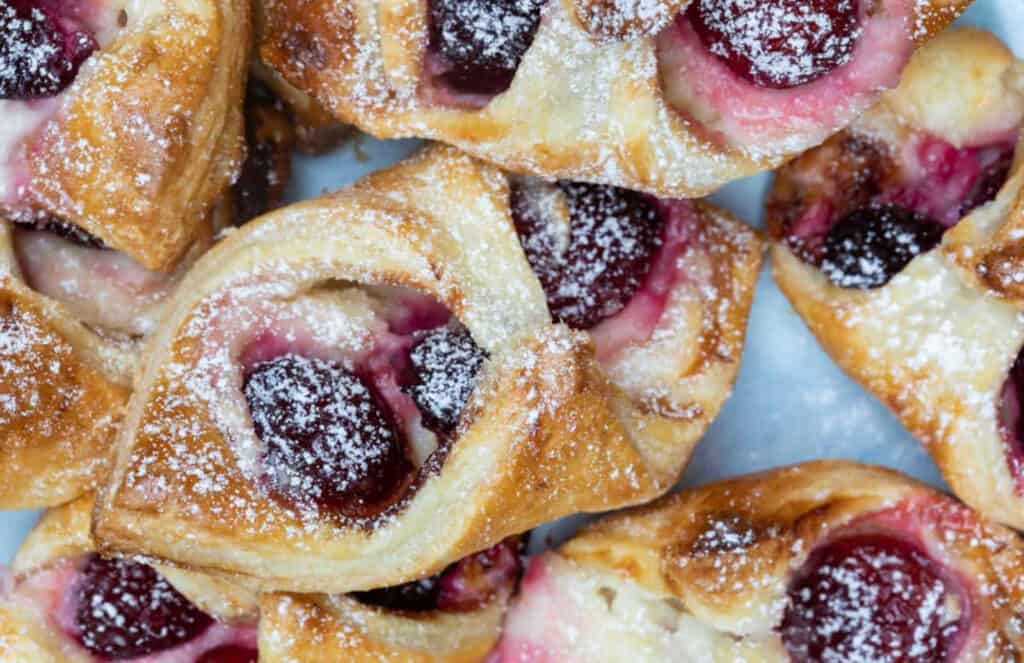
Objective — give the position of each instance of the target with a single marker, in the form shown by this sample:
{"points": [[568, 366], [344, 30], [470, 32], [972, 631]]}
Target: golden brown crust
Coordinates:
{"points": [[66, 385], [629, 19], [64, 394], [305, 628], [936, 343], [596, 107], [539, 441], [150, 134], [64, 533], [724, 554]]}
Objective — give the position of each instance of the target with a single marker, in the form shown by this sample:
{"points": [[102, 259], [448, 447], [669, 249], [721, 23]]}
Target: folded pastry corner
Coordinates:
{"points": [[76, 310], [372, 380], [63, 602], [123, 119], [826, 561], [453, 617], [668, 97], [896, 243]]}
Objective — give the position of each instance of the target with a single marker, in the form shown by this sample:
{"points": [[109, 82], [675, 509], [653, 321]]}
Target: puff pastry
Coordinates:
{"points": [[898, 243], [122, 118], [669, 97], [76, 310], [73, 313], [827, 561], [64, 603], [401, 323], [451, 618]]}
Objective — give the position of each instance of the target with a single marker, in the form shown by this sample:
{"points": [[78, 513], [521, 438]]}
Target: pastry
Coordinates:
{"points": [[73, 317], [120, 136], [355, 391], [896, 241], [670, 97], [73, 313], [827, 561], [122, 119], [65, 604], [454, 617]]}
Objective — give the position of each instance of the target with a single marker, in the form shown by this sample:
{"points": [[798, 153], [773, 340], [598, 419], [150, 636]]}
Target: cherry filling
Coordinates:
{"points": [[126, 610], [350, 420], [1011, 423], [464, 586], [230, 654], [445, 363], [476, 45], [777, 44], [865, 248], [328, 435], [862, 210], [40, 51], [871, 597], [593, 268]]}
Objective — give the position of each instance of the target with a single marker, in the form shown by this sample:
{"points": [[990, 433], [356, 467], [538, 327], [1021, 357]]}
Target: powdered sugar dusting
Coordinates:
{"points": [[872, 599], [446, 363], [489, 33], [624, 19], [328, 440], [780, 43]]}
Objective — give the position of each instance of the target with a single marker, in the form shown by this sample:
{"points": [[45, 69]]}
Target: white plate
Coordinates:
{"points": [[791, 402]]}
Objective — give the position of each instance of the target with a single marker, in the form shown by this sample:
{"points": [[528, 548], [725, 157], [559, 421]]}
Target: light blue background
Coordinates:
{"points": [[791, 403]]}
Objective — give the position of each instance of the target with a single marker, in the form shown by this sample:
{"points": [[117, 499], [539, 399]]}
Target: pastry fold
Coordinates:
{"points": [[709, 574], [34, 625], [299, 627], [545, 433], [936, 343], [149, 136], [64, 392], [607, 92]]}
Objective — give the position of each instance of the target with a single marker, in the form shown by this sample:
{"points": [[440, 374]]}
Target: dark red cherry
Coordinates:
{"points": [[613, 234], [39, 53], [481, 42], [870, 245], [330, 440], [465, 585], [777, 44], [871, 597], [230, 654], [65, 230], [445, 362], [125, 610]]}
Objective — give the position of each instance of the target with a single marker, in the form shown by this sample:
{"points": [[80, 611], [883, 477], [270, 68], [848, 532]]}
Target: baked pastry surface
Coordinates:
{"points": [[829, 560], [616, 93], [44, 617], [454, 617], [423, 255], [896, 242], [140, 145]]}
